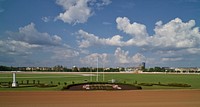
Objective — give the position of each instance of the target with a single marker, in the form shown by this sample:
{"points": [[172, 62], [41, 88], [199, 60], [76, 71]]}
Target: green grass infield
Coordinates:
{"points": [[56, 81]]}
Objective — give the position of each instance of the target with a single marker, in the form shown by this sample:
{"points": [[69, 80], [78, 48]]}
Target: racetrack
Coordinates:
{"points": [[139, 98]]}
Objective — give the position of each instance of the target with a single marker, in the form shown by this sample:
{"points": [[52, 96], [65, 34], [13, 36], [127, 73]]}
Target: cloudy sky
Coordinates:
{"points": [[117, 32]]}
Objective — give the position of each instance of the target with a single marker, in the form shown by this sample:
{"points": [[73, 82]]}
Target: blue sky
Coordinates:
{"points": [[120, 33]]}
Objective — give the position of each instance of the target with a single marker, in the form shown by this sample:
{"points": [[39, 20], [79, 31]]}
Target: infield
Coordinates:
{"points": [[63, 79]]}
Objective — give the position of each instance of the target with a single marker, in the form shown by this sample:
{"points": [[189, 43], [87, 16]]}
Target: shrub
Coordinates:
{"points": [[38, 81], [146, 84], [5, 84], [178, 85], [27, 81], [170, 84], [135, 82], [33, 81], [45, 85]]}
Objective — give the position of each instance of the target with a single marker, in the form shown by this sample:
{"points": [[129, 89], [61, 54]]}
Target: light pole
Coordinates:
{"points": [[103, 73], [90, 74], [97, 79]]}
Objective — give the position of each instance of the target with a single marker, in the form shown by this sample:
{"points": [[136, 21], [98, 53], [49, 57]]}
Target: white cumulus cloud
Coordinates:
{"points": [[119, 57], [88, 40], [78, 11], [33, 48], [138, 58], [27, 40], [172, 41], [31, 35], [135, 29], [176, 34], [173, 37], [14, 47], [63, 53], [91, 60], [124, 58]]}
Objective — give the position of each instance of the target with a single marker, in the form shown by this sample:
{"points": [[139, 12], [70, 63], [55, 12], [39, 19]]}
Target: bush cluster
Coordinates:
{"points": [[146, 84], [179, 85], [169, 84], [45, 85], [27, 84]]}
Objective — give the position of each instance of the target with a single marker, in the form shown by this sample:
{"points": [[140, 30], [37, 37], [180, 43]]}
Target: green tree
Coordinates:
{"points": [[75, 69], [151, 69]]}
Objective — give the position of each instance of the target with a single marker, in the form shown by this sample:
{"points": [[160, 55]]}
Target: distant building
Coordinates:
{"points": [[28, 68], [133, 69], [168, 69], [143, 65], [187, 69]]}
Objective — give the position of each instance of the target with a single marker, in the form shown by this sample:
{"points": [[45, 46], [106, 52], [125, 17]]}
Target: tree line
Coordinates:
{"points": [[58, 68]]}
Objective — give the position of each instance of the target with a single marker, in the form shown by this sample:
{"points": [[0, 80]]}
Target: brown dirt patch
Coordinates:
{"points": [[139, 98]]}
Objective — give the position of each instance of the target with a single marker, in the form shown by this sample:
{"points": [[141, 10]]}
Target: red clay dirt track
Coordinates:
{"points": [[139, 98]]}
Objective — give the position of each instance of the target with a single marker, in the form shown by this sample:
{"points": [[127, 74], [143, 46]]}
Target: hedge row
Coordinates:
{"points": [[169, 84]]}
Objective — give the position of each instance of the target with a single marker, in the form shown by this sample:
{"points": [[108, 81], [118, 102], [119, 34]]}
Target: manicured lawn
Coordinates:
{"points": [[191, 79], [155, 78]]}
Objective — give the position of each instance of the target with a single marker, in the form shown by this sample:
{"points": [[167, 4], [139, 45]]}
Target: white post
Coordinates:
{"points": [[14, 84]]}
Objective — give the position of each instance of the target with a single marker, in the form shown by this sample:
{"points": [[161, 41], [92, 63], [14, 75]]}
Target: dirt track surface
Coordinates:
{"points": [[150, 98]]}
